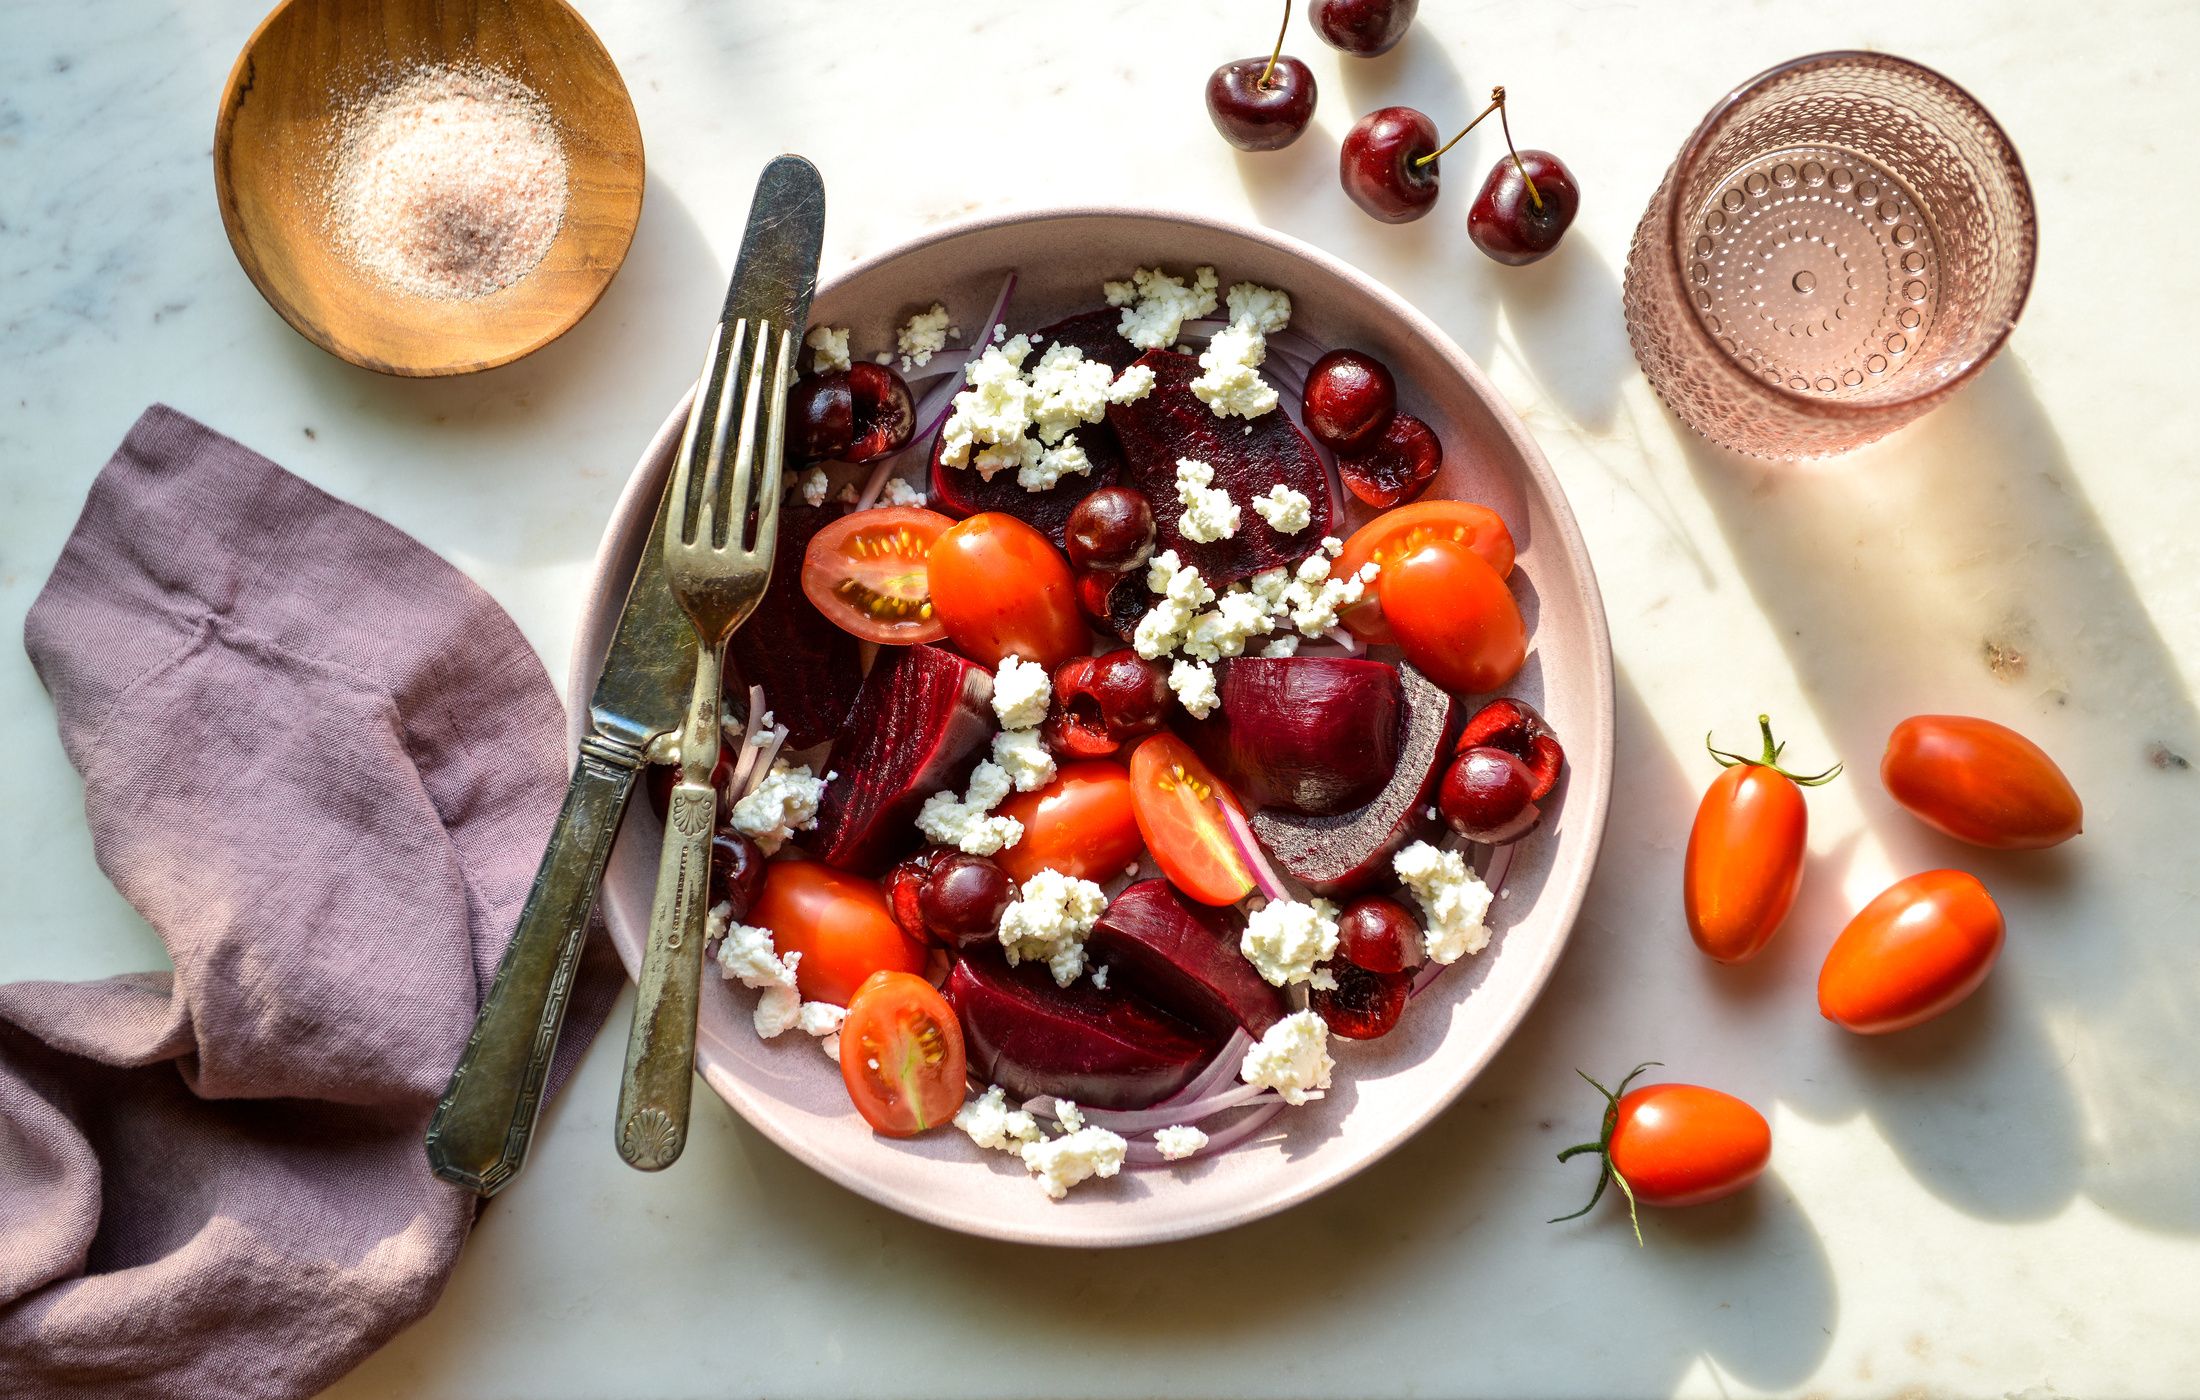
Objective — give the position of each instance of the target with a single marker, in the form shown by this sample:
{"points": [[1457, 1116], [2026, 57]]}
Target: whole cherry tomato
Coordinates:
{"points": [[866, 573], [1923, 945], [1745, 852], [840, 924], [1080, 824], [1397, 533], [1002, 589], [1980, 782], [1673, 1145], [1180, 807], [901, 1055], [1454, 616]]}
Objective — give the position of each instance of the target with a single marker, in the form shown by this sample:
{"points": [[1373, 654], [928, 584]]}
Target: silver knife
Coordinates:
{"points": [[479, 1135]]}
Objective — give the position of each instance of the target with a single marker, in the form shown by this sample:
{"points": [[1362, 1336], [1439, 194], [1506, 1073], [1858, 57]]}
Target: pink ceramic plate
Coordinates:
{"points": [[1386, 1089]]}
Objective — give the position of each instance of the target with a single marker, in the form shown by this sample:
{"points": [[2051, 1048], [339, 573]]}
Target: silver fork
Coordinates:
{"points": [[720, 529]]}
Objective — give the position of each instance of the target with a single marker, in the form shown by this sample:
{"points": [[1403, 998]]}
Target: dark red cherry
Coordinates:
{"points": [[962, 900], [736, 871], [904, 882], [1380, 935], [1110, 531], [1489, 796], [1376, 164], [1508, 223], [1397, 466], [1514, 726], [821, 418], [1362, 27], [1259, 107], [1363, 1005], [1349, 399], [1103, 703], [884, 415]]}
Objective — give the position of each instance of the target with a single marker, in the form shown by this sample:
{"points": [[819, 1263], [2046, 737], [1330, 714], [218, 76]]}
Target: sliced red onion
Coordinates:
{"points": [[765, 753], [1145, 1120], [942, 362], [1344, 637], [1248, 849], [737, 781]]}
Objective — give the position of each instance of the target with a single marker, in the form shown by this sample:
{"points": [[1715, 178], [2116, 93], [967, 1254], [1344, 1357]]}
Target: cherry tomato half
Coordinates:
{"points": [[1683, 1144], [1980, 782], [1454, 616], [866, 573], [1081, 824], [839, 923], [901, 1055], [1923, 945], [1003, 589], [1745, 852], [1179, 807], [1397, 533]]}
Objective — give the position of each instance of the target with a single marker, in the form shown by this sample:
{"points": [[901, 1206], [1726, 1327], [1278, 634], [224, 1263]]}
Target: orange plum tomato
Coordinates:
{"points": [[1454, 616], [1397, 533], [1745, 852], [839, 923], [901, 1055], [1179, 806], [1674, 1145], [866, 573], [1002, 589], [1980, 782], [1081, 824], [1923, 945]]}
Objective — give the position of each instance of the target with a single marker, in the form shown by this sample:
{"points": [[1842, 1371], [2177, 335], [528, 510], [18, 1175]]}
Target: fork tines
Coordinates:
{"points": [[744, 388]]}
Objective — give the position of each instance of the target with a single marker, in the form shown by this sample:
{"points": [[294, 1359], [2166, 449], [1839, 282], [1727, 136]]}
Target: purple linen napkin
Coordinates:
{"points": [[323, 764]]}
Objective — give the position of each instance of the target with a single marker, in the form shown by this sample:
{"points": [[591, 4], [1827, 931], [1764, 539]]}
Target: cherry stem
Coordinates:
{"points": [[1504, 124], [1607, 1174], [1497, 105], [1770, 758], [1277, 52]]}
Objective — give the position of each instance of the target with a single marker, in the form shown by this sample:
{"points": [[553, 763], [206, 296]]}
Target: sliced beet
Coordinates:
{"points": [[1351, 850], [1171, 422], [1183, 958], [1104, 1049], [810, 669], [1317, 735], [960, 491], [918, 725]]}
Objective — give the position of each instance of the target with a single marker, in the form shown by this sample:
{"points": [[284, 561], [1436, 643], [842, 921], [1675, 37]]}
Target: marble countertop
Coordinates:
{"points": [[2003, 1203]]}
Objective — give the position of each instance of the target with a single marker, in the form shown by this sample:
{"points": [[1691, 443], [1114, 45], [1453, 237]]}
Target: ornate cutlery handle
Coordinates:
{"points": [[479, 1135], [660, 1053]]}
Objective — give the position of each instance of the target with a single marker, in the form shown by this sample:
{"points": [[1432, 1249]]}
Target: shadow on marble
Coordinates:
{"points": [[1959, 567], [1562, 317]]}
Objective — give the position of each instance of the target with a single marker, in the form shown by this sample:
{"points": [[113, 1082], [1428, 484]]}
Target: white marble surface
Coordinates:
{"points": [[2007, 1202]]}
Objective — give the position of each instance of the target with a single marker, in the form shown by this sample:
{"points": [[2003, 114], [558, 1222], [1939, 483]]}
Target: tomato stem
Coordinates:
{"points": [[1608, 1174], [1770, 758]]}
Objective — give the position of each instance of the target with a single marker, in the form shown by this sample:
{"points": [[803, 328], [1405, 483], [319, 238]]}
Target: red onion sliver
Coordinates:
{"points": [[1248, 849], [737, 781]]}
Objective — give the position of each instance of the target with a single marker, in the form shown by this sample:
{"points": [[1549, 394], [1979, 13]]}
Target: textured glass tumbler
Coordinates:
{"points": [[1845, 239]]}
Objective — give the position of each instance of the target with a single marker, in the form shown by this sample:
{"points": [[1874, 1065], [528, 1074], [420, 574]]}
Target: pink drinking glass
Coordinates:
{"points": [[1844, 240]]}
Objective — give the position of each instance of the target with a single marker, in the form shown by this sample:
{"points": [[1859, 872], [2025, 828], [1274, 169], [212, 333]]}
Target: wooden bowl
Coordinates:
{"points": [[278, 126]]}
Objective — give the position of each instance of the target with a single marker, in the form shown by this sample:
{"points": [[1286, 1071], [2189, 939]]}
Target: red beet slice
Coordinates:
{"points": [[1104, 1049], [810, 669], [960, 491], [918, 726], [1171, 422], [1316, 735], [1351, 850], [1183, 958]]}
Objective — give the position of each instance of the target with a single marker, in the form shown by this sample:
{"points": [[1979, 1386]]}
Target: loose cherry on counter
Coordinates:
{"points": [[1388, 164], [1262, 104], [1363, 28], [1348, 400], [1526, 204]]}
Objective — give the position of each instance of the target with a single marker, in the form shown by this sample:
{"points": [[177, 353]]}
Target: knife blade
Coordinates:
{"points": [[479, 1135]]}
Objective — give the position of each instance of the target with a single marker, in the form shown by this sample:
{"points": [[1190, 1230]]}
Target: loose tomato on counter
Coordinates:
{"points": [[1673, 1145], [901, 1055], [1980, 782], [1179, 806], [1745, 851], [1082, 824], [1397, 533], [866, 572], [1002, 589], [1454, 616], [839, 923], [1923, 945]]}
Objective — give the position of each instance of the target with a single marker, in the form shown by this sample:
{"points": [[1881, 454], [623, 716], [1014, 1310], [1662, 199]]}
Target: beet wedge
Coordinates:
{"points": [[1316, 735], [1104, 1049], [1183, 958], [1171, 422], [960, 491], [1351, 850], [918, 726], [810, 669]]}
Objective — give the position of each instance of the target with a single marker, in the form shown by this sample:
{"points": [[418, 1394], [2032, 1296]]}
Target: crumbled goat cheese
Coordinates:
{"points": [[1236, 618], [1230, 382], [828, 348], [1021, 693], [899, 492], [1049, 920], [1156, 305], [1024, 756], [1183, 592], [1285, 938], [1292, 1058], [963, 823], [991, 1123], [1209, 513], [1067, 390], [1194, 684], [1065, 459], [1068, 1115], [1323, 980], [822, 1019], [992, 414], [1315, 598], [1286, 511], [1453, 900], [1133, 384], [1062, 1162], [1268, 309], [783, 804], [1178, 1142], [746, 955], [1285, 645], [925, 334], [1100, 977], [765, 723], [815, 486]]}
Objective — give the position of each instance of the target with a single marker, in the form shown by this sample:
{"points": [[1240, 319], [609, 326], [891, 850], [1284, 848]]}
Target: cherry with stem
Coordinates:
{"points": [[1262, 105]]}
